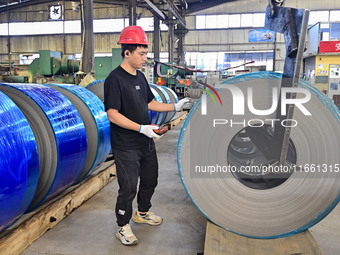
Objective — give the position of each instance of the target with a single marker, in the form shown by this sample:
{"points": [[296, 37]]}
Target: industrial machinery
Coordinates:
{"points": [[177, 79], [53, 66], [104, 65]]}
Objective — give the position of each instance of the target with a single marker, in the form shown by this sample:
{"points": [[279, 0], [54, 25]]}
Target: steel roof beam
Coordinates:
{"points": [[204, 4], [155, 11], [175, 11]]}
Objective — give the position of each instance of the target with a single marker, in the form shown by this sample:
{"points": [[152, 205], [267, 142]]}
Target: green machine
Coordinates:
{"points": [[174, 78], [104, 65], [53, 66]]}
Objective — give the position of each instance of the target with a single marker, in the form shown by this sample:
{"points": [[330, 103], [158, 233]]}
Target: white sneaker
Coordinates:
{"points": [[149, 218], [126, 236]]}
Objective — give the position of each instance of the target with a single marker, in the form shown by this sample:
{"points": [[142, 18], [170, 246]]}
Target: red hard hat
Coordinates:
{"points": [[133, 35]]}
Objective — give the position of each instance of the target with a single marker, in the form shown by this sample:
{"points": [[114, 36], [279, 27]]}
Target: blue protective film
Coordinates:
{"points": [[68, 132], [96, 108], [173, 100], [19, 163], [166, 100], [156, 117]]}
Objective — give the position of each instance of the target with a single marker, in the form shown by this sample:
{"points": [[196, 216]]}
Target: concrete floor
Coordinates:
{"points": [[90, 229], [327, 233]]}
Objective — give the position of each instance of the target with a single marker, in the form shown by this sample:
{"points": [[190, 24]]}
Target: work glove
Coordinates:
{"points": [[179, 105], [148, 131]]}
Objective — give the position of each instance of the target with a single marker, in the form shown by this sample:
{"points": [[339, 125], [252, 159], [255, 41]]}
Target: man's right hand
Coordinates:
{"points": [[148, 131]]}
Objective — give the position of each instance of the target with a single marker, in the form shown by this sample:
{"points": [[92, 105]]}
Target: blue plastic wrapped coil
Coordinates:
{"points": [[97, 125], [165, 94], [60, 135], [165, 99], [156, 117], [19, 163], [173, 100]]}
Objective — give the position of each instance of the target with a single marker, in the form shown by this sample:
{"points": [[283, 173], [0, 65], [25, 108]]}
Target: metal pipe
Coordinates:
{"points": [[132, 12], [171, 39], [88, 38], [296, 77], [156, 38], [9, 41], [274, 51], [64, 37]]}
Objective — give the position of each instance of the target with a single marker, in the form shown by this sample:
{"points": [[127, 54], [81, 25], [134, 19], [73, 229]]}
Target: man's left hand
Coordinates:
{"points": [[179, 105]]}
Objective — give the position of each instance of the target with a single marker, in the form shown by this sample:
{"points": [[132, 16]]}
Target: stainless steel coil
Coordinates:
{"points": [[210, 157]]}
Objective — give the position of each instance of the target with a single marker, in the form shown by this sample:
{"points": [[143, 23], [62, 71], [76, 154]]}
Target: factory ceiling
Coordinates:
{"points": [[183, 6]]}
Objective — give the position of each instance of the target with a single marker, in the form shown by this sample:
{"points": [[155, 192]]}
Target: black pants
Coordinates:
{"points": [[131, 164]]}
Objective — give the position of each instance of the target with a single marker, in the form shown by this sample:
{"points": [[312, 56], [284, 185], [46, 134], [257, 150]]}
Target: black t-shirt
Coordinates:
{"points": [[130, 95]]}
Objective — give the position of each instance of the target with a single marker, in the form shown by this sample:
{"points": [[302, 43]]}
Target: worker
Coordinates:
{"points": [[127, 99]]}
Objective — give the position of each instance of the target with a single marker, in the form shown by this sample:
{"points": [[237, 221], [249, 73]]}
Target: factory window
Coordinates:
{"points": [[163, 56], [322, 15], [222, 21], [4, 29], [318, 16], [234, 20], [72, 27], [30, 28], [230, 20], [258, 19], [108, 25], [146, 24], [334, 16], [211, 21], [335, 31], [222, 60], [263, 60], [247, 20], [200, 22], [324, 29]]}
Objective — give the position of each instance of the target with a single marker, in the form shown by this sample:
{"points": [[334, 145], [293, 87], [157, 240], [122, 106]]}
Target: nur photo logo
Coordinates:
{"points": [[242, 99]]}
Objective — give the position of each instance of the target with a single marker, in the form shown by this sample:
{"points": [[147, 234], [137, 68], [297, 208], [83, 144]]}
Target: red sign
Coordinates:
{"points": [[187, 82], [160, 82], [331, 46]]}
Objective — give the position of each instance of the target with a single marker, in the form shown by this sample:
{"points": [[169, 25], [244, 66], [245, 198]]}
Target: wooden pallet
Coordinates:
{"points": [[33, 225], [220, 241], [177, 120]]}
